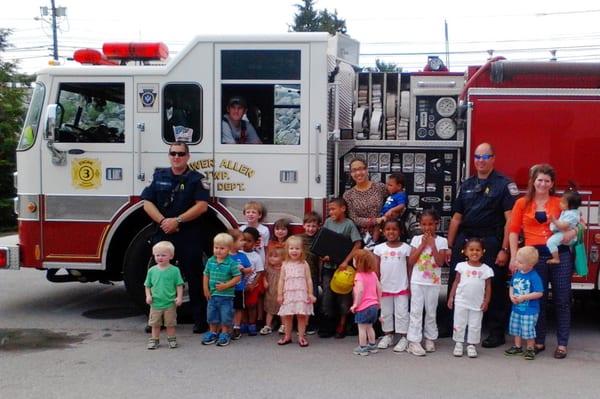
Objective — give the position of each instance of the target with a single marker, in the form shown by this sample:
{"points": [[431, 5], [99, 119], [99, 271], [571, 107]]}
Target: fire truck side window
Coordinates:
{"points": [[269, 100], [182, 113], [91, 113]]}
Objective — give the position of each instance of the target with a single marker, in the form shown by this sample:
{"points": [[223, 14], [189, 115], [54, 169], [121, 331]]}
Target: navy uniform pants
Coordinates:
{"points": [[496, 317], [188, 257]]}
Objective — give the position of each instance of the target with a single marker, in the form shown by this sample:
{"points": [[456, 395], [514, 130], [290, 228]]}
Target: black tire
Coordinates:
{"points": [[138, 259]]}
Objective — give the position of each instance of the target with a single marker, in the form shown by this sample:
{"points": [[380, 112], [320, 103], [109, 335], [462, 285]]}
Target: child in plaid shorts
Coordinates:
{"points": [[525, 292]]}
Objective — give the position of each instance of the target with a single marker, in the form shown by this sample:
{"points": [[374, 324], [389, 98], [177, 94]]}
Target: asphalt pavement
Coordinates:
{"points": [[75, 340]]}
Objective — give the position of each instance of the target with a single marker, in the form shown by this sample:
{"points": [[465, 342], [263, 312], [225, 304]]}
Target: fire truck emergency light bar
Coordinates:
{"points": [[136, 51], [114, 52]]}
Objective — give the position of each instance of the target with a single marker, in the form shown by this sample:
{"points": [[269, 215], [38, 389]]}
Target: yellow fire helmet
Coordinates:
{"points": [[343, 281]]}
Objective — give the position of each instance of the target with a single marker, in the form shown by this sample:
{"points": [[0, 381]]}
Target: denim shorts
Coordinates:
{"points": [[220, 310], [367, 316]]}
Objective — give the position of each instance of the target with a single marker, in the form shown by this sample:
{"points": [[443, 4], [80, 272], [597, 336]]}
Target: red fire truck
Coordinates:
{"points": [[95, 133]]}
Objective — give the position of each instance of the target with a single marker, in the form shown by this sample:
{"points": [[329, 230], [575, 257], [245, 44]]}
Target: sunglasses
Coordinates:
{"points": [[485, 157], [179, 154]]}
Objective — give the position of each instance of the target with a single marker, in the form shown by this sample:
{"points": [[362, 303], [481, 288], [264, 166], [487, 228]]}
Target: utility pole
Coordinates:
{"points": [[53, 12], [54, 35]]}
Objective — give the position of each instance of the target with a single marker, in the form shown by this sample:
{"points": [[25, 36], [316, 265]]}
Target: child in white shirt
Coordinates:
{"points": [[470, 296], [427, 257], [392, 256], [254, 213]]}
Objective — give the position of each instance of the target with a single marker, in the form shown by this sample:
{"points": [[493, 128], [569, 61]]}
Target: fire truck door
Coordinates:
{"points": [[86, 161]]}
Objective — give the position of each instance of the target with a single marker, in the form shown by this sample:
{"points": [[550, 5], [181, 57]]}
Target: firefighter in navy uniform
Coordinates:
{"points": [[175, 200], [482, 209]]}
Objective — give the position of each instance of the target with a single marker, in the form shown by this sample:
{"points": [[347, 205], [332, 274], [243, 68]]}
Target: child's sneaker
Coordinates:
{"points": [[152, 343], [223, 339], [529, 354], [236, 334], [385, 342], [429, 345], [401, 345], [458, 349], [416, 349], [266, 330], [372, 348], [252, 330], [281, 329], [209, 338], [471, 351], [311, 330], [172, 342], [361, 350], [514, 351], [244, 329]]}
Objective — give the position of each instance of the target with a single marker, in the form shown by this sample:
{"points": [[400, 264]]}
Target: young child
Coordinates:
{"points": [[295, 291], [525, 291], [568, 219], [367, 296], [311, 224], [335, 307], [275, 258], [221, 274], [281, 232], [252, 281], [245, 268], [394, 204], [427, 257], [470, 296], [392, 257], [164, 292], [254, 213]]}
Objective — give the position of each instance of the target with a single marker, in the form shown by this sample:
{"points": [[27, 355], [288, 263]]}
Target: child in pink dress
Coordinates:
{"points": [[295, 291]]}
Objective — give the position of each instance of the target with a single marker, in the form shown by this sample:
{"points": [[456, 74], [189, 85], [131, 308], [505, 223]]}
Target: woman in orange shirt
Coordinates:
{"points": [[531, 216]]}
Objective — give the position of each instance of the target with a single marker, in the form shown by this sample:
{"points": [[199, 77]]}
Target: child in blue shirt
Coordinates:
{"points": [[394, 204], [525, 292], [246, 268]]}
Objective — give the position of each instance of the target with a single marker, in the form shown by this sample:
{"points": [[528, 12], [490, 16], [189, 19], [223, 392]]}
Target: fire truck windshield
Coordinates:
{"points": [[91, 112]]}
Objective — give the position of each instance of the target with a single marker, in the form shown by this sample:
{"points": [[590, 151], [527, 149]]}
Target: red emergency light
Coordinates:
{"points": [[136, 51], [91, 56]]}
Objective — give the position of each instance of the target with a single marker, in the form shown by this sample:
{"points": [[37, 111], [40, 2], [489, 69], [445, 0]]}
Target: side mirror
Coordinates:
{"points": [[51, 119]]}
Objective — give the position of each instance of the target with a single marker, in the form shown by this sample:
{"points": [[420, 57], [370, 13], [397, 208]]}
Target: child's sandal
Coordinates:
{"points": [[302, 342]]}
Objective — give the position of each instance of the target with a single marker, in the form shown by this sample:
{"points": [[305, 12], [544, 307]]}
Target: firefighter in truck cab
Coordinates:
{"points": [[175, 200]]}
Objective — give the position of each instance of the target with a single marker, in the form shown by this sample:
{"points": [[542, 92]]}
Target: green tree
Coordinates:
{"points": [[11, 114], [308, 19], [387, 66]]}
